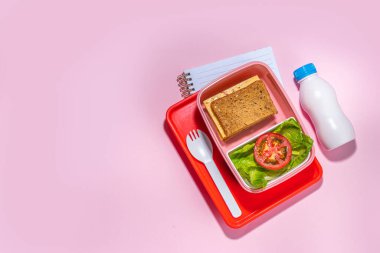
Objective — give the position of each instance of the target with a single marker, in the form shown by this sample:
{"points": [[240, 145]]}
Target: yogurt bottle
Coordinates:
{"points": [[318, 99]]}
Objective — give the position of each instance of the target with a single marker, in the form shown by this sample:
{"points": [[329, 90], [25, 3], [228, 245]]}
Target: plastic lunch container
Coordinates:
{"points": [[281, 101]]}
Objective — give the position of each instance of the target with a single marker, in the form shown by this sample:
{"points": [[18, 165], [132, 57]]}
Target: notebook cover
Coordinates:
{"points": [[183, 117]]}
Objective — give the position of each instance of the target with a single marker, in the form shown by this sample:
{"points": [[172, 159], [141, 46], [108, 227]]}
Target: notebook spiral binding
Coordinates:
{"points": [[185, 85]]}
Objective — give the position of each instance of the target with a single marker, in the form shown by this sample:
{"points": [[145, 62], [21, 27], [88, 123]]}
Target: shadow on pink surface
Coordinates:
{"points": [[228, 231]]}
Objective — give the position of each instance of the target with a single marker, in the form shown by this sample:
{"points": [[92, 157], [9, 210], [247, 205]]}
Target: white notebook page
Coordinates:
{"points": [[203, 75]]}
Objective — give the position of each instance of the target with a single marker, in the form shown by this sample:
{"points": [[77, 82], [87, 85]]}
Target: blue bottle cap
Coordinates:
{"points": [[304, 71]]}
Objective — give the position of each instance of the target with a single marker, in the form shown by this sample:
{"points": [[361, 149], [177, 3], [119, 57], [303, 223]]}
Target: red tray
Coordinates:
{"points": [[183, 117]]}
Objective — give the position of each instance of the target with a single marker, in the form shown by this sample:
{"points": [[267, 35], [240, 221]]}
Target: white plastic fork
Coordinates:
{"points": [[201, 148]]}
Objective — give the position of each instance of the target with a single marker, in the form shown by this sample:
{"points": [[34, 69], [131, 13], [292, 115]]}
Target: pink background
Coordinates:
{"points": [[86, 164]]}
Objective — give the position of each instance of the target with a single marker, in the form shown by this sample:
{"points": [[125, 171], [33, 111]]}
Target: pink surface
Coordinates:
{"points": [[84, 86]]}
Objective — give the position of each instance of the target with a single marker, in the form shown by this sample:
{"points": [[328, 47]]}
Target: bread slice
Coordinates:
{"points": [[207, 102], [243, 108]]}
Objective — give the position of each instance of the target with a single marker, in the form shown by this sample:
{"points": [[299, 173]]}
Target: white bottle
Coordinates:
{"points": [[318, 99]]}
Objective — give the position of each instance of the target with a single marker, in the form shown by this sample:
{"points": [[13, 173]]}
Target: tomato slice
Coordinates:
{"points": [[272, 151]]}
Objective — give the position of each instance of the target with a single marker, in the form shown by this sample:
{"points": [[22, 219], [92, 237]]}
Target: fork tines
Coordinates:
{"points": [[194, 134]]}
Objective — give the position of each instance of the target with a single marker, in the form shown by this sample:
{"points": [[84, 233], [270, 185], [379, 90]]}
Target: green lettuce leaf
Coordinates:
{"points": [[258, 176]]}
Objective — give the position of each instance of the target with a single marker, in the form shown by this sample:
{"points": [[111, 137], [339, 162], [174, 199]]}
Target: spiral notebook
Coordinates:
{"points": [[194, 79]]}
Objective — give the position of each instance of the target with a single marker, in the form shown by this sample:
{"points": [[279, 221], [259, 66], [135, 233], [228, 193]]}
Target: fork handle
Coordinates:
{"points": [[223, 188]]}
